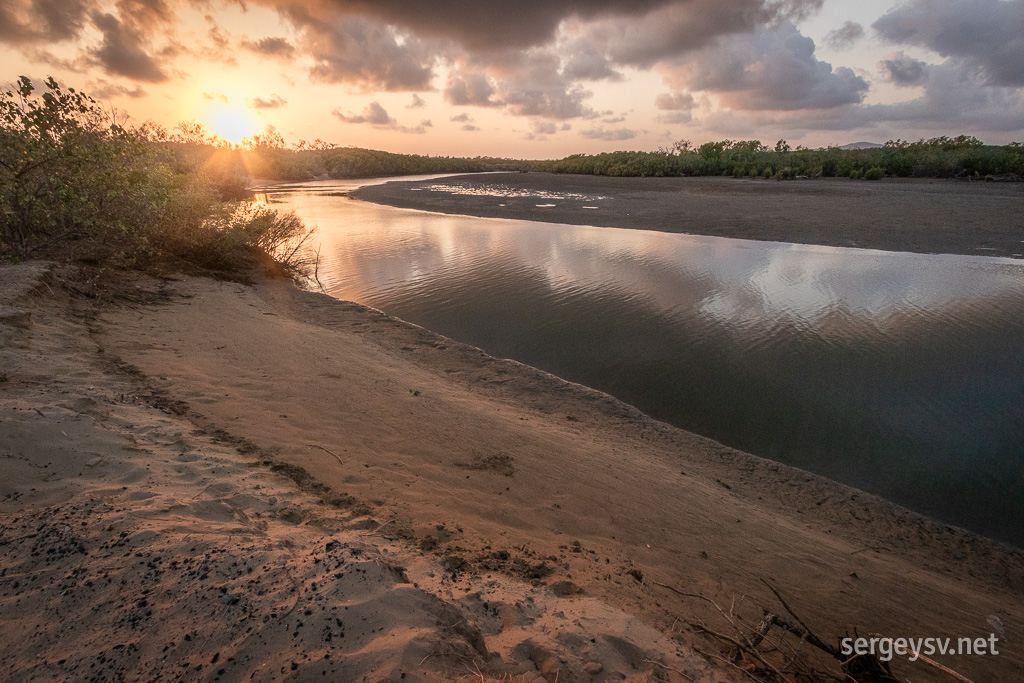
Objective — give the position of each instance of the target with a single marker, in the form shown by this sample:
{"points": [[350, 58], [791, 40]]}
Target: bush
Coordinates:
{"points": [[874, 173], [76, 184]]}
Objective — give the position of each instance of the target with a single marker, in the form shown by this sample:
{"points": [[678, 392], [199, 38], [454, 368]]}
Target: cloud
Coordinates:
{"points": [[774, 69], [278, 48], [417, 102], [985, 34], [217, 97], [274, 102], [469, 127], [524, 84], [41, 21], [956, 98], [461, 118], [675, 118], [376, 116], [470, 89], [674, 101], [542, 127], [364, 53], [845, 36], [122, 53], [676, 29], [373, 114], [103, 90], [480, 25], [588, 64], [899, 69], [609, 135]]}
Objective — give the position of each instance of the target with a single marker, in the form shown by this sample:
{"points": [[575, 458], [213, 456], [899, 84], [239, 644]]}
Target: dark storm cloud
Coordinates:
{"points": [[479, 25], [122, 51], [775, 69], [899, 69], [41, 21], [987, 34], [845, 36], [270, 47]]}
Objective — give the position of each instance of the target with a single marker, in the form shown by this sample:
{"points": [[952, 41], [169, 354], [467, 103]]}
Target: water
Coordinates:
{"points": [[900, 374]]}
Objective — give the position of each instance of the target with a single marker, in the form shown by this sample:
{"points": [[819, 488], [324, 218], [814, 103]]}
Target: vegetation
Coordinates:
{"points": [[267, 156], [77, 183], [942, 157]]}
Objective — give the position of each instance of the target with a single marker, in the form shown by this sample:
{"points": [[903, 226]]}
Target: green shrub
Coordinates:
{"points": [[856, 174], [77, 185], [874, 173]]}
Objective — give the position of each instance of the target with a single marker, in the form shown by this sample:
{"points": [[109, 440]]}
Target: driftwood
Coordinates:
{"points": [[748, 645]]}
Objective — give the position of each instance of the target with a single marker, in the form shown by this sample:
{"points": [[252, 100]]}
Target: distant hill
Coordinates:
{"points": [[862, 145]]}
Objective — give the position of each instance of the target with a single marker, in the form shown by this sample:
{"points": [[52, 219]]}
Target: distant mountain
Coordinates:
{"points": [[862, 145]]}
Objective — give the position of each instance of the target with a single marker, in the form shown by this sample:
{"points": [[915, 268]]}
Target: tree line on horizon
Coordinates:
{"points": [[73, 172], [962, 156]]}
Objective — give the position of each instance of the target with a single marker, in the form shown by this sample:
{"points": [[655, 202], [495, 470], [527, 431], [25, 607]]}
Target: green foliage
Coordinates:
{"points": [[941, 157], [66, 169], [874, 173], [75, 183], [320, 161]]}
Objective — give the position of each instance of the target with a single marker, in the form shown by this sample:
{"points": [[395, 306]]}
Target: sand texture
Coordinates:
{"points": [[210, 481], [924, 216]]}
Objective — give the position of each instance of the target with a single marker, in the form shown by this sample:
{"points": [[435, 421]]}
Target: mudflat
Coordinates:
{"points": [[925, 216]]}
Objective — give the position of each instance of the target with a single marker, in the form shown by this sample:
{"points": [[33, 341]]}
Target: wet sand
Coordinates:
{"points": [[211, 481], [924, 216]]}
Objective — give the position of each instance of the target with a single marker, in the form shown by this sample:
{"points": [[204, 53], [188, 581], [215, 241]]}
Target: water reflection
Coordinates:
{"points": [[902, 374]]}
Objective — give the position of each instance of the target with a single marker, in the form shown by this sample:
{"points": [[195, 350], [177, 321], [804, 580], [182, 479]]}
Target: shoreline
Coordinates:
{"points": [[904, 215], [465, 470]]}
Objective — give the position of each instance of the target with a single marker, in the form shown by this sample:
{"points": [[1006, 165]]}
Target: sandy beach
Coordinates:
{"points": [[206, 480], [924, 216]]}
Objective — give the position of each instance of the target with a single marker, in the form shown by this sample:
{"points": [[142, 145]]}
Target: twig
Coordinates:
{"points": [[811, 638], [663, 666], [326, 450]]}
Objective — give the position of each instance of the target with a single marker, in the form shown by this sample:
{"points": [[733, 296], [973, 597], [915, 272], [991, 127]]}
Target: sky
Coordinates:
{"points": [[537, 78]]}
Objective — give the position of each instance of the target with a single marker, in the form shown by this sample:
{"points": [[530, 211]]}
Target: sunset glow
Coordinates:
{"points": [[539, 79], [230, 122]]}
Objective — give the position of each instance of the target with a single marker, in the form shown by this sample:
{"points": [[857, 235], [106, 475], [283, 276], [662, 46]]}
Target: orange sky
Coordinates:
{"points": [[538, 79]]}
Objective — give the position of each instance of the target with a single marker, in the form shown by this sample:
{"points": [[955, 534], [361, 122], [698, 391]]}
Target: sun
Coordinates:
{"points": [[231, 122]]}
